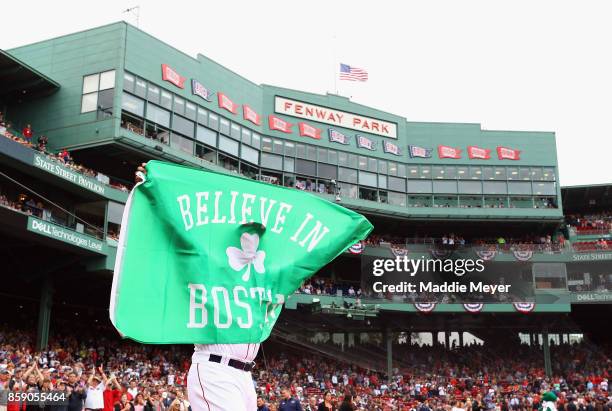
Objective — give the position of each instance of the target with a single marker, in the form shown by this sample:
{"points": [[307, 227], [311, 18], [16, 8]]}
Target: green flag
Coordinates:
{"points": [[208, 258]]}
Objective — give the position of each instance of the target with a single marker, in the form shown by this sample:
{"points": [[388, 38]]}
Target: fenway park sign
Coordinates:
{"points": [[337, 118]]}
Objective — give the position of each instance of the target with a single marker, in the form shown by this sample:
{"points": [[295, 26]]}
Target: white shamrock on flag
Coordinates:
{"points": [[238, 258]]}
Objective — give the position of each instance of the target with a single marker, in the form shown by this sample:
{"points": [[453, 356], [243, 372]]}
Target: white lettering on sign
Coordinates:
{"points": [[335, 117]]}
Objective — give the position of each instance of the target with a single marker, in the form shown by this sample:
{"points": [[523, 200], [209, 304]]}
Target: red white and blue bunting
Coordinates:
{"points": [[356, 248], [523, 255], [441, 253], [398, 250], [425, 307], [473, 307], [486, 255], [524, 307]]}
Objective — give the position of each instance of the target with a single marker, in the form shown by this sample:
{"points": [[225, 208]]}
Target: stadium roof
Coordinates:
{"points": [[585, 197], [19, 82]]}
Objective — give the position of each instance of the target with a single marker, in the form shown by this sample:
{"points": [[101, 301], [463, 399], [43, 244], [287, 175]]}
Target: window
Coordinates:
{"points": [[327, 171], [347, 174], [419, 186], [401, 170], [513, 173], [271, 161], [445, 186], [266, 144], [322, 154], [519, 187], [372, 165], [235, 131], [363, 163], [311, 153], [392, 168], [382, 181], [500, 173], [153, 94], [255, 140], [132, 104], [301, 151], [206, 153], [470, 187], [475, 173], [306, 167], [437, 172], [224, 126], [202, 116], [182, 125], [190, 110], [548, 174], [333, 156], [207, 136], [249, 154], [128, 82], [98, 92], [289, 165], [213, 121], [352, 160], [462, 173], [107, 80], [277, 146], [179, 105], [488, 173], [397, 184], [141, 88], [289, 149], [157, 115], [181, 143], [536, 174], [425, 172], [494, 187], [544, 189], [382, 166], [398, 199], [166, 100], [343, 158], [450, 172], [367, 179], [525, 173], [228, 145], [246, 136]]}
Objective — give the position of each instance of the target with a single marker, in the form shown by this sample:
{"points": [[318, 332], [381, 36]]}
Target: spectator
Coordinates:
{"points": [[326, 404], [27, 132], [289, 403], [95, 391], [124, 404], [42, 143], [347, 403], [261, 405]]}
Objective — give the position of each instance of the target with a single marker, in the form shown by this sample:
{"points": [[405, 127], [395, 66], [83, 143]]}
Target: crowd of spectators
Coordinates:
{"points": [[99, 371], [599, 223], [26, 137], [325, 286]]}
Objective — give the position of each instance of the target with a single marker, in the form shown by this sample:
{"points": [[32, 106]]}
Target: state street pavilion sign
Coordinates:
{"points": [[337, 118]]}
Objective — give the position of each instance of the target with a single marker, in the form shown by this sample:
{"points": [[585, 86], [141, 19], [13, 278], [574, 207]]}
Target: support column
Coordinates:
{"points": [[546, 349], [388, 340], [460, 339], [44, 313], [447, 339]]}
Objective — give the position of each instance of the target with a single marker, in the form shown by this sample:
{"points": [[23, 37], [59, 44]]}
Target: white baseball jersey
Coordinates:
{"points": [[240, 352]]}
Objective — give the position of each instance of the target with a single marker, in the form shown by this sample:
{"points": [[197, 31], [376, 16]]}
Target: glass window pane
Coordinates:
{"points": [[419, 186], [413, 171], [271, 161], [488, 173], [128, 82], [349, 190], [537, 174], [277, 146], [153, 94], [347, 174], [235, 131], [228, 145], [445, 186], [500, 173], [301, 151], [327, 171], [90, 83], [306, 167], [544, 189], [396, 183], [519, 187], [462, 173], [392, 168], [158, 115], [513, 173], [475, 173], [363, 163], [166, 100], [437, 172], [289, 149], [450, 172], [89, 102], [494, 187], [352, 160], [333, 156], [224, 126], [255, 140], [372, 165], [213, 121], [401, 170], [249, 154], [382, 181], [182, 125], [398, 199], [179, 105], [368, 179], [342, 158], [289, 165], [202, 116], [524, 174], [181, 143], [190, 111], [133, 104], [105, 99], [470, 187], [107, 80], [311, 153], [141, 88], [549, 174], [266, 144], [207, 136], [425, 172], [246, 136], [382, 166], [322, 154]]}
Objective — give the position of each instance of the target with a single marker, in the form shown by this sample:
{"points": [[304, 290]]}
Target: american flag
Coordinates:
{"points": [[352, 73]]}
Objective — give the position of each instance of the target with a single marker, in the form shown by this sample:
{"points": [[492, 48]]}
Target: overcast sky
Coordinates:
{"points": [[509, 65]]}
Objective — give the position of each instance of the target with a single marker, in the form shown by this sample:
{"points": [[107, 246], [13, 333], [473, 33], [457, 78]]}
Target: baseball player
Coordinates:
{"points": [[220, 378]]}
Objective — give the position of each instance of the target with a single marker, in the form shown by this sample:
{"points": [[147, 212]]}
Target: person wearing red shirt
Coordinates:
{"points": [[27, 132], [112, 394]]}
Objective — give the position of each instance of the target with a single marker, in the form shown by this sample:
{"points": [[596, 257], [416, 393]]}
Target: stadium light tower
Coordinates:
{"points": [[135, 11]]}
